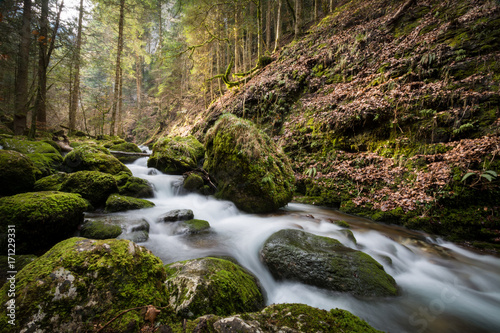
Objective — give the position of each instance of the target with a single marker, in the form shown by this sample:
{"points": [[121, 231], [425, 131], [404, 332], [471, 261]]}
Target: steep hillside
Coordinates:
{"points": [[389, 110]]}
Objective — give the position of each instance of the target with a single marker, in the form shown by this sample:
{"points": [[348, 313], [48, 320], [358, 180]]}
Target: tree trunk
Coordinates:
{"points": [[76, 83], [117, 69], [278, 26], [138, 81], [298, 18], [268, 25], [21, 102], [41, 94], [317, 4], [120, 104]]}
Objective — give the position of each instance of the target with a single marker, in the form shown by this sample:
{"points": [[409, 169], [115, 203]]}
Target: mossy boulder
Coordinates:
{"points": [[176, 155], [193, 182], [211, 286], [80, 283], [103, 226], [176, 215], [41, 219], [249, 168], [127, 147], [289, 318], [93, 158], [100, 230], [325, 263], [43, 155], [119, 203], [133, 186], [17, 173], [51, 183], [192, 227], [94, 186]]}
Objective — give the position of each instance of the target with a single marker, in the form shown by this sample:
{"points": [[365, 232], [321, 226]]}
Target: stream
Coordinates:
{"points": [[444, 288]]}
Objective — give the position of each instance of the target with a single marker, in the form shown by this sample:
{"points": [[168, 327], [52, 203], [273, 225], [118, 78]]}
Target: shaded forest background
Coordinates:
{"points": [[128, 66]]}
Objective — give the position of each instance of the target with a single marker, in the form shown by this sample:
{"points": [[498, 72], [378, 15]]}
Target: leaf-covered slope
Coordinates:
{"points": [[384, 107]]}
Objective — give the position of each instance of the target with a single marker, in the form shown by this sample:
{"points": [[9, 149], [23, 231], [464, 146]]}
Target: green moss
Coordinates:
{"points": [[25, 146], [195, 226], [100, 230], [133, 186], [119, 203], [193, 182], [50, 183], [94, 186], [176, 155], [17, 173], [250, 170], [41, 219], [93, 158], [95, 281], [211, 285]]}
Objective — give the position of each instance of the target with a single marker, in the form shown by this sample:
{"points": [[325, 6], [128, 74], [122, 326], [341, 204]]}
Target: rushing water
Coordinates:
{"points": [[444, 288]]}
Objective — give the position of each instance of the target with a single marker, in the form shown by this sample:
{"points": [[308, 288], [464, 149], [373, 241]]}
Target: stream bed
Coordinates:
{"points": [[444, 288]]}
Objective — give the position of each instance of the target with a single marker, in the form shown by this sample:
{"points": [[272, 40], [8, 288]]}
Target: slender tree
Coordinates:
{"points": [[21, 102], [75, 91], [119, 49]]}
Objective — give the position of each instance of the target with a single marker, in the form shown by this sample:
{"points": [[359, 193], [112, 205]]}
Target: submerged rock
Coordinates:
{"points": [[41, 219], [120, 203], [94, 186], [176, 215], [325, 263], [82, 282], [93, 158], [176, 155], [249, 168], [17, 173], [211, 286]]}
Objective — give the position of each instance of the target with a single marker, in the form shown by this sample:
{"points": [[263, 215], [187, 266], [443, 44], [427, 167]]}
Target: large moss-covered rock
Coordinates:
{"points": [[81, 282], [17, 173], [94, 186], [133, 186], [41, 219], [325, 263], [192, 227], [211, 286], [176, 155], [119, 203], [94, 158], [249, 168], [51, 183], [288, 318], [43, 155]]}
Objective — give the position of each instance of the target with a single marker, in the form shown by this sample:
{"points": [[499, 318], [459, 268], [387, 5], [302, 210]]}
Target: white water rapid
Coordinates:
{"points": [[444, 288]]}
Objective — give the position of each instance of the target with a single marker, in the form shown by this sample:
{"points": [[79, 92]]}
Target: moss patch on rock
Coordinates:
{"points": [[93, 158], [249, 168], [193, 226], [211, 286], [94, 186], [119, 203], [51, 183], [133, 186], [17, 173], [176, 155], [82, 282], [41, 219], [100, 230], [324, 262]]}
